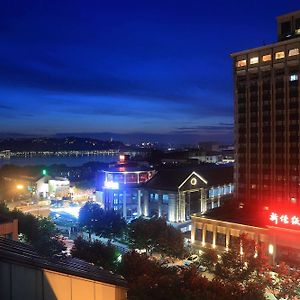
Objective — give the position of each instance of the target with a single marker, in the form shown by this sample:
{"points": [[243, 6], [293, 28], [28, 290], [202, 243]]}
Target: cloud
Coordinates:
{"points": [[207, 128], [76, 81], [6, 107]]}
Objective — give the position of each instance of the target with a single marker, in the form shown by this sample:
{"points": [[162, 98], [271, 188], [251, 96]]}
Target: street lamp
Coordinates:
{"points": [[20, 187]]}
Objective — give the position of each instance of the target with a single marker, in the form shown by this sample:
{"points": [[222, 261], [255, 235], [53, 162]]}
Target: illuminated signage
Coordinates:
{"points": [[193, 181], [111, 185], [284, 219]]}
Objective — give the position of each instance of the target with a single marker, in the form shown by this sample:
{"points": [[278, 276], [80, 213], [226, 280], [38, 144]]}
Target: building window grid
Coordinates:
{"points": [[294, 52], [279, 55]]}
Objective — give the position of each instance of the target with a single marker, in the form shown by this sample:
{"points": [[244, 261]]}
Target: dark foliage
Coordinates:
{"points": [[95, 252], [155, 235]]}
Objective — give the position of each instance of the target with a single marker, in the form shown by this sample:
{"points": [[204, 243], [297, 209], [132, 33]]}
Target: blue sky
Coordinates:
{"points": [[139, 68]]}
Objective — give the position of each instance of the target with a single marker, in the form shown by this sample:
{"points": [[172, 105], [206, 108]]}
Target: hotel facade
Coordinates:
{"points": [[267, 114], [267, 145]]}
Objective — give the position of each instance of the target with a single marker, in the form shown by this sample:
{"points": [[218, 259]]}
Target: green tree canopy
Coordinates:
{"points": [[89, 215], [105, 223], [155, 235], [96, 252], [38, 231]]}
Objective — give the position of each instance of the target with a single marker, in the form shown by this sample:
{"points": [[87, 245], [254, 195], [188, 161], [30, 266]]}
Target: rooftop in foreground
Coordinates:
{"points": [[17, 252]]}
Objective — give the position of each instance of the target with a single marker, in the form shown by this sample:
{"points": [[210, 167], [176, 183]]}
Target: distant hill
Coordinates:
{"points": [[58, 144]]}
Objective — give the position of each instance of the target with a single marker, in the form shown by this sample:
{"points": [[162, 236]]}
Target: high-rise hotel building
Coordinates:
{"points": [[267, 119]]}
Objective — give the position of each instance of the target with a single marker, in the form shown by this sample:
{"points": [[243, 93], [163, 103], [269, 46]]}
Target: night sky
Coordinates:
{"points": [[148, 69]]}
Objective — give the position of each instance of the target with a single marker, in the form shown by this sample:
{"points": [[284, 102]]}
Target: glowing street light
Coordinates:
{"points": [[20, 187]]}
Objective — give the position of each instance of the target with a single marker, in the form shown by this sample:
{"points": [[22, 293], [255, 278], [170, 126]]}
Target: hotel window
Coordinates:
{"points": [[209, 237], [266, 57], [221, 239], [241, 63], [198, 234], [165, 199], [294, 52], [253, 60], [293, 77], [279, 55]]}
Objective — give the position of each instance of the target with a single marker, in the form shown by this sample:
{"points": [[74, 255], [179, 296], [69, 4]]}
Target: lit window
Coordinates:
{"points": [[241, 63], [267, 57], [293, 77], [294, 52], [253, 60], [279, 55]]}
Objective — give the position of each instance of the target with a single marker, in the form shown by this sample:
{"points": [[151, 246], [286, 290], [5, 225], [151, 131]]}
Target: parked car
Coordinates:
{"points": [[202, 268], [191, 260]]}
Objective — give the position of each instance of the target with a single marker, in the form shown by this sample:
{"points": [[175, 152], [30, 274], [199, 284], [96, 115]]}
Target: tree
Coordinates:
{"points": [[37, 231], [284, 282], [148, 280], [243, 268], [49, 246], [89, 215], [96, 252], [104, 223], [155, 235], [208, 258], [110, 224]]}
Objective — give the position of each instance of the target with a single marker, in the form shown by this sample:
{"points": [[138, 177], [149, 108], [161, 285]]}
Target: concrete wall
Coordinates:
{"points": [[26, 283]]}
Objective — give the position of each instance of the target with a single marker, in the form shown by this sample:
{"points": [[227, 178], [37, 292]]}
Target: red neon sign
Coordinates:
{"points": [[284, 219]]}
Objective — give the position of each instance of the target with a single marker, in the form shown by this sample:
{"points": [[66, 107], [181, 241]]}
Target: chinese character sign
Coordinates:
{"points": [[284, 219]]}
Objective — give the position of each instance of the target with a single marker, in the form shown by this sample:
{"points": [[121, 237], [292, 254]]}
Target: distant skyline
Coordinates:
{"points": [[149, 69]]}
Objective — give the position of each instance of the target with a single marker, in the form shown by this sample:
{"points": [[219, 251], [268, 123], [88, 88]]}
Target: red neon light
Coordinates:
{"points": [[284, 219]]}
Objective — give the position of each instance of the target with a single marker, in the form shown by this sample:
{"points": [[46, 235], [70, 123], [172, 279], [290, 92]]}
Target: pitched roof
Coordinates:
{"points": [[17, 252], [171, 179]]}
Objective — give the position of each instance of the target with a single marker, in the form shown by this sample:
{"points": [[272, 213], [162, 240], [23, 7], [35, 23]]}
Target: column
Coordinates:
{"points": [[193, 232], [188, 204], [159, 204], [203, 234], [146, 203], [214, 236], [139, 202], [181, 207], [227, 238], [124, 205], [203, 200], [172, 208]]}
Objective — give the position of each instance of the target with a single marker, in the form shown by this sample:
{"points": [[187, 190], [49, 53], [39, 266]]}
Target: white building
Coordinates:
{"points": [[48, 187]]}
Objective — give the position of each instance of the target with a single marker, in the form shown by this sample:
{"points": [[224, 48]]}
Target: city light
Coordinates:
{"points": [[111, 185], [20, 187], [121, 158], [74, 211]]}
